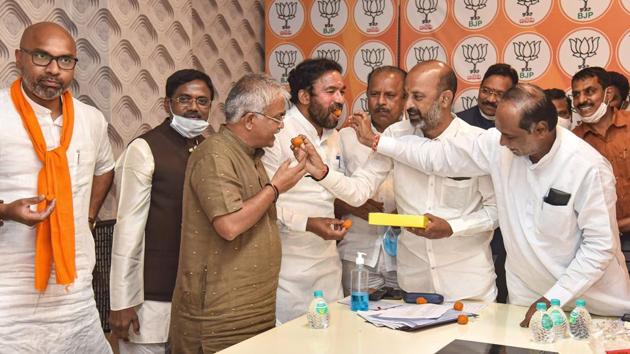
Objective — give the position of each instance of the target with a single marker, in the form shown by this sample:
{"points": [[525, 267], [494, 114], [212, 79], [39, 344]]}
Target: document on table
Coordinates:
{"points": [[412, 316], [374, 305]]}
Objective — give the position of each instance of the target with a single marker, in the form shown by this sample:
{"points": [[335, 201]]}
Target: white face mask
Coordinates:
{"points": [[597, 115], [564, 122], [188, 127]]}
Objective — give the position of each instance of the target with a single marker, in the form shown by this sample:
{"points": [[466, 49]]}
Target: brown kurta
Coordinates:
{"points": [[614, 146], [225, 290]]}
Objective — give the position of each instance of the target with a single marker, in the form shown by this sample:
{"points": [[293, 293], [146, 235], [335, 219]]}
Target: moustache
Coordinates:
{"points": [[382, 109], [413, 112], [192, 114], [51, 79], [584, 105], [494, 105]]}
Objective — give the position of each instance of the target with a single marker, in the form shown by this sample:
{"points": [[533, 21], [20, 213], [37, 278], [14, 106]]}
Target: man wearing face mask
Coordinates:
{"points": [[608, 131], [308, 228], [563, 106], [149, 186], [462, 211]]}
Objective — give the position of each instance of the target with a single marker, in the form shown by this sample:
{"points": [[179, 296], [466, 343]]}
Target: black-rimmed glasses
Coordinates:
{"points": [[41, 58]]}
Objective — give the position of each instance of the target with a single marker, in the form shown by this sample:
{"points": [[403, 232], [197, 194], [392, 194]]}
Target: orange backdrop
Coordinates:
{"points": [[546, 41]]}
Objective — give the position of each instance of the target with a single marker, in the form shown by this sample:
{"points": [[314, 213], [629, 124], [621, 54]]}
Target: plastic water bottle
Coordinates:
{"points": [[359, 278], [318, 315], [580, 321], [559, 319], [541, 325]]}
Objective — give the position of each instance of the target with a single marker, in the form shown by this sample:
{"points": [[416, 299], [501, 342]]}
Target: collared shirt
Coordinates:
{"points": [[308, 262], [363, 237], [28, 316], [615, 146], [133, 178], [445, 265], [558, 251], [225, 290]]}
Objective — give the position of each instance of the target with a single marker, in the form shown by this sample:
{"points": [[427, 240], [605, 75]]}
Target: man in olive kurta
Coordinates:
{"points": [[230, 252]]}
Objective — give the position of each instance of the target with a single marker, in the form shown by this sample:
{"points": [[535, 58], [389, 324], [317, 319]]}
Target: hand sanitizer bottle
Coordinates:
{"points": [[359, 279]]}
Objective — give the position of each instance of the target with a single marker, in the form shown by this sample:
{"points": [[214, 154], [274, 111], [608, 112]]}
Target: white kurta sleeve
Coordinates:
{"points": [[363, 183], [463, 156], [133, 178], [596, 217], [104, 156], [484, 219]]}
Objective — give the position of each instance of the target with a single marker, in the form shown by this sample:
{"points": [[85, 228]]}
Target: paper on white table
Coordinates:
{"points": [[415, 312]]}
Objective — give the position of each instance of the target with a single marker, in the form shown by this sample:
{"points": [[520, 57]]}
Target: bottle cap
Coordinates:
{"points": [[360, 259], [318, 293], [580, 303], [555, 302], [541, 306]]}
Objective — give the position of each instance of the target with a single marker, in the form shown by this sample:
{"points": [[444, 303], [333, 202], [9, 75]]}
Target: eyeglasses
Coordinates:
{"points": [[277, 120], [188, 100], [41, 58], [489, 92]]}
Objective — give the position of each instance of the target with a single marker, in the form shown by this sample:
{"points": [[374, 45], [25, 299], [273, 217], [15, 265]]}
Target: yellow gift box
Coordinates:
{"points": [[385, 219]]}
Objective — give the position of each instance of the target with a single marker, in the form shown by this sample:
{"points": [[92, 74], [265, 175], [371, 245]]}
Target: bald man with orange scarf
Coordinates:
{"points": [[55, 147]]}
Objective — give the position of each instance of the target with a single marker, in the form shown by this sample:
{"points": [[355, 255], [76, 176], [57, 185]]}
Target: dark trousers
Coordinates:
{"points": [[498, 256], [625, 247]]}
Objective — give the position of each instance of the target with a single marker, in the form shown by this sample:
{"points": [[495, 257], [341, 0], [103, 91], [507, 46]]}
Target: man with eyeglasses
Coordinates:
{"points": [[230, 250], [306, 216], [57, 147], [495, 82], [149, 187]]}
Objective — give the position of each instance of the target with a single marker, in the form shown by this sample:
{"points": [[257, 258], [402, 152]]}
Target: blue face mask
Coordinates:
{"points": [[390, 240]]}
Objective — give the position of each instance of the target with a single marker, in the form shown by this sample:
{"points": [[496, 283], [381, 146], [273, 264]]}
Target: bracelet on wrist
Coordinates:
{"points": [[275, 191]]}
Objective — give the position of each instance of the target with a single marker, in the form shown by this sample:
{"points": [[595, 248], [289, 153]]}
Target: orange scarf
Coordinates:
{"points": [[55, 235]]}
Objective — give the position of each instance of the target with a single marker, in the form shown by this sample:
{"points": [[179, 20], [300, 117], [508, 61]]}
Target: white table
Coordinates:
{"points": [[349, 334]]}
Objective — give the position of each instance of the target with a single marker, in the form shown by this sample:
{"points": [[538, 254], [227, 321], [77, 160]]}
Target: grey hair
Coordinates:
{"points": [[252, 93]]}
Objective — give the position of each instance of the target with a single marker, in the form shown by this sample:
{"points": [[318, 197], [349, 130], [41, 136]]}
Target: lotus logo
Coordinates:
{"points": [[475, 54], [468, 102], [328, 9], [373, 8], [475, 6], [286, 60], [373, 58], [527, 4], [286, 12], [526, 52], [332, 54], [426, 7], [364, 104], [584, 48], [426, 53], [586, 7]]}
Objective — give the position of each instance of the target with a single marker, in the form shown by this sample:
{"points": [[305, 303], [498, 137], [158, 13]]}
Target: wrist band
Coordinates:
{"points": [[324, 176], [375, 139], [275, 191], [1, 220]]}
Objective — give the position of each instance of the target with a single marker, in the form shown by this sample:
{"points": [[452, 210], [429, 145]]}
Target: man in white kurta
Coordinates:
{"points": [[457, 267], [62, 319], [385, 103], [306, 221], [149, 187], [558, 247]]}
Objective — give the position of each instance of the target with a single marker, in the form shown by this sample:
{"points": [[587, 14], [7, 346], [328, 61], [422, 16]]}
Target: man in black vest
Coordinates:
{"points": [[496, 81], [149, 187]]}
